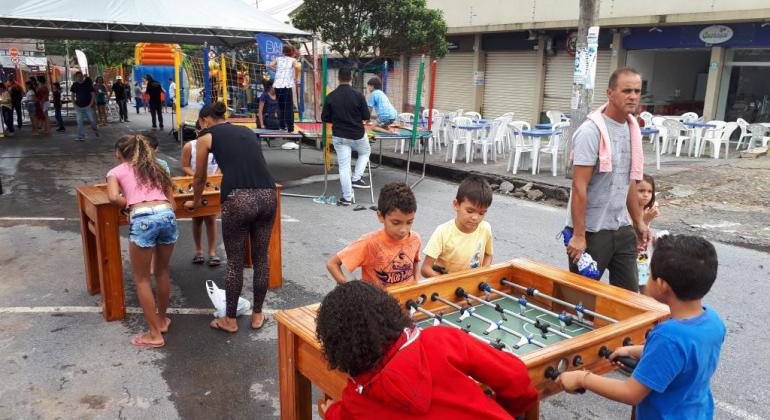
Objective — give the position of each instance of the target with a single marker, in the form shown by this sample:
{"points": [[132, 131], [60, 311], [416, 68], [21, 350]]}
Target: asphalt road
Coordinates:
{"points": [[59, 359]]}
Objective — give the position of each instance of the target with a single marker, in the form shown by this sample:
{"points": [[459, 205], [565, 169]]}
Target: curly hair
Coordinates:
{"points": [[357, 324], [396, 195], [136, 150]]}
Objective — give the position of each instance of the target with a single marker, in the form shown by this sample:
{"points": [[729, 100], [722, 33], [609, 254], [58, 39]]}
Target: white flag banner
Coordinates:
{"points": [[82, 61]]}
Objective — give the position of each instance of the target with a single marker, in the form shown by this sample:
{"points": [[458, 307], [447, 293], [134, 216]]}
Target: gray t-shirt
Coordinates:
{"points": [[607, 191]]}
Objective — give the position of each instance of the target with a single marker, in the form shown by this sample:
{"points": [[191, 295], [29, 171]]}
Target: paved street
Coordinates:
{"points": [[59, 359]]}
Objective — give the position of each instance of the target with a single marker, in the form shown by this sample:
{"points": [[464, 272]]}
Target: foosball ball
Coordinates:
{"points": [[551, 319], [99, 228]]}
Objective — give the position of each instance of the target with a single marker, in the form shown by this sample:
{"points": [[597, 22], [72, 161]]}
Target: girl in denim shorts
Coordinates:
{"points": [[141, 185]]}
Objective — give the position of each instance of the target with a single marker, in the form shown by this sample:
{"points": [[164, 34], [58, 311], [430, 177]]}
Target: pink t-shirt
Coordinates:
{"points": [[133, 192]]}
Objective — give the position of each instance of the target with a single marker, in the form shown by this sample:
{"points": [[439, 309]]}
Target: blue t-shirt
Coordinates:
{"points": [[382, 106], [271, 106], [678, 360]]}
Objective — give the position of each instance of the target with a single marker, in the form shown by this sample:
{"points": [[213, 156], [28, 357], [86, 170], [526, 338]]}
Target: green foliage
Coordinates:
{"points": [[365, 28], [98, 52]]}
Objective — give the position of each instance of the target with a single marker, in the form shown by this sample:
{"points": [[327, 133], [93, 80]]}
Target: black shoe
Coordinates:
{"points": [[360, 184], [61, 130], [343, 202]]}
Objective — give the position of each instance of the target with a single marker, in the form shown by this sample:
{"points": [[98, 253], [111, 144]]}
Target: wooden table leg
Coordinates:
{"points": [[90, 258], [274, 256], [110, 263], [295, 391], [533, 413]]}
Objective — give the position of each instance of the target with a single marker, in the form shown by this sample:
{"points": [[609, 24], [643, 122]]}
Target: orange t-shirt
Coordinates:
{"points": [[384, 261]]}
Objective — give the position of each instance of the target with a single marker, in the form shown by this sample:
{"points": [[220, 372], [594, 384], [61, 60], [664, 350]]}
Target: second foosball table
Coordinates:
{"points": [[100, 221], [551, 319]]}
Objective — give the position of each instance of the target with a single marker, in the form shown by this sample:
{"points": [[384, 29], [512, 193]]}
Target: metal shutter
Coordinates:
{"points": [[558, 80], [510, 84], [414, 71], [395, 92], [454, 82]]}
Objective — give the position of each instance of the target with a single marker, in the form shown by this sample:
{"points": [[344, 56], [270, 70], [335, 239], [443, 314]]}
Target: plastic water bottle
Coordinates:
{"points": [[586, 265]]}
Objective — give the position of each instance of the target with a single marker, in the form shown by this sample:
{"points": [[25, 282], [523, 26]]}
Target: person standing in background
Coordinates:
{"points": [[286, 68]]}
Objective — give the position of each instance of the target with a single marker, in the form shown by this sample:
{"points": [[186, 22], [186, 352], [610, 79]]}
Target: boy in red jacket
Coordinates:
{"points": [[398, 371]]}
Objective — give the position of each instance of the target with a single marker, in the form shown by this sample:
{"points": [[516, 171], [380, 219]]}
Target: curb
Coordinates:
{"points": [[522, 186]]}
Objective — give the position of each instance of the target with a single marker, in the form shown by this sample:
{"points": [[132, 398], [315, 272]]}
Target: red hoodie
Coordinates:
{"points": [[429, 374]]}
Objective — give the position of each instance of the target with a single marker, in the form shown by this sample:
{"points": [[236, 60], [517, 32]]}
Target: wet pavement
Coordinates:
{"points": [[60, 359]]}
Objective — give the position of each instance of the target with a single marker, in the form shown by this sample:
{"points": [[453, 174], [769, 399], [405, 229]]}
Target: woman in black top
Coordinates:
{"points": [[268, 107], [249, 203]]}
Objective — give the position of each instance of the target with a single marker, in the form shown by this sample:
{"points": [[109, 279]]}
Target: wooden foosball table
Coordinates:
{"points": [[99, 228], [551, 319]]}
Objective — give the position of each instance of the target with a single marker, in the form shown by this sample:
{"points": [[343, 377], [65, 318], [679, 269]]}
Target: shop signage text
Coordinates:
{"points": [[716, 34]]}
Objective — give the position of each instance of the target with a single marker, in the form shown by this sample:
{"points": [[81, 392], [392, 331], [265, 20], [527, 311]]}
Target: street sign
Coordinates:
{"points": [[14, 52], [15, 60], [212, 55]]}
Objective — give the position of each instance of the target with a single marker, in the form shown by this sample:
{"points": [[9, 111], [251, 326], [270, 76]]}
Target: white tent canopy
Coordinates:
{"points": [[223, 22]]}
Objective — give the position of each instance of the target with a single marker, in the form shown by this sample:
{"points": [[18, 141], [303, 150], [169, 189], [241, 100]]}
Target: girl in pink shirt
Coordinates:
{"points": [[147, 192]]}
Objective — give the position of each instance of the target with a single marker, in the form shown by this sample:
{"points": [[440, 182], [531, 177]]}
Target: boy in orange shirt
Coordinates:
{"points": [[388, 256]]}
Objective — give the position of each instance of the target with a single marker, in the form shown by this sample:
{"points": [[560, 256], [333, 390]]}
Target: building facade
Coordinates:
{"points": [[710, 57]]}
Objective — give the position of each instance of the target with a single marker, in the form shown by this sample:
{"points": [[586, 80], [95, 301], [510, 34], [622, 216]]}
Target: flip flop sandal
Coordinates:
{"points": [[198, 259], [214, 261], [215, 325], [139, 341], [264, 320]]}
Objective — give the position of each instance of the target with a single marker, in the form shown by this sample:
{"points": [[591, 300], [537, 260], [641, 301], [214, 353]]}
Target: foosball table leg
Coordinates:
{"points": [[533, 413], [295, 389]]}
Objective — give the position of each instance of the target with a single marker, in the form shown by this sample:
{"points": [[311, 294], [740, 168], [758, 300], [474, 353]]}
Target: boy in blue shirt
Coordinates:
{"points": [[672, 378], [380, 104]]}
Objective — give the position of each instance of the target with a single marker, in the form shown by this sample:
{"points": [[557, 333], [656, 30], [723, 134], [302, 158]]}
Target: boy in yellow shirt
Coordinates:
{"points": [[466, 241]]}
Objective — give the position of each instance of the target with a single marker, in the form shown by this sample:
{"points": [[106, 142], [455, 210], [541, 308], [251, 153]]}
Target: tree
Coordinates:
{"points": [[369, 28], [98, 52]]}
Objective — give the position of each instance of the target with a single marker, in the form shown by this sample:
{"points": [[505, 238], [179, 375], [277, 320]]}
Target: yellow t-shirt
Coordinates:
{"points": [[455, 250]]}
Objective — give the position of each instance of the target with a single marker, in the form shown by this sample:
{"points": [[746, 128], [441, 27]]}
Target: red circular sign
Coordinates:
{"points": [[14, 52]]}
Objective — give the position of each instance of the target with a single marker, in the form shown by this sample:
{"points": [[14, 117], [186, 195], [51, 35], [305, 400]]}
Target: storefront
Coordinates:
{"points": [[675, 63], [509, 75]]}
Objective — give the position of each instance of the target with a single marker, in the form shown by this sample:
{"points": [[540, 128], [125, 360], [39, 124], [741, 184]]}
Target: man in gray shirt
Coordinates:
{"points": [[601, 200]]}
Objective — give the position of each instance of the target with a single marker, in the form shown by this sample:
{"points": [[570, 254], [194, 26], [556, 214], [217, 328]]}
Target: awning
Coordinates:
{"points": [[24, 62], [223, 22]]}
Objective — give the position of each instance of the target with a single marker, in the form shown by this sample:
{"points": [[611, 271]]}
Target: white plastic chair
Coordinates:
{"points": [[758, 134], [657, 122], [405, 119], [744, 125], [496, 133], [474, 116], [717, 137], [446, 126], [689, 117], [509, 115], [436, 128], [520, 144], [425, 113], [647, 119], [554, 117], [713, 135], [674, 130], [554, 146], [459, 137]]}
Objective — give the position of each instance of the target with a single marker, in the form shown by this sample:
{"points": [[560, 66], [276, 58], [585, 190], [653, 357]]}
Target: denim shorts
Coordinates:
{"points": [[157, 228]]}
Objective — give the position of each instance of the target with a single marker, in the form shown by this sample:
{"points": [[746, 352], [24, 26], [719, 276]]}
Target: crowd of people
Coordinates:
{"points": [[90, 99]]}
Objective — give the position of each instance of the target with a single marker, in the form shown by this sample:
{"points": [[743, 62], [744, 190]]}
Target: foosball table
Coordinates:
{"points": [[99, 228], [551, 319]]}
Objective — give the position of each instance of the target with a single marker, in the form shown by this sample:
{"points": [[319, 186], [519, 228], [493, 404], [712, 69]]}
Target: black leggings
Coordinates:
{"points": [[285, 98], [247, 212]]}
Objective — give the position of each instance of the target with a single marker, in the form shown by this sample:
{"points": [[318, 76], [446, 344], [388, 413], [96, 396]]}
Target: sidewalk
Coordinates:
{"points": [[723, 199], [554, 189]]}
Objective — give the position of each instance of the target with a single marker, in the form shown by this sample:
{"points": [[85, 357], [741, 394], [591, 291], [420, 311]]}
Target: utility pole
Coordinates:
{"points": [[584, 75]]}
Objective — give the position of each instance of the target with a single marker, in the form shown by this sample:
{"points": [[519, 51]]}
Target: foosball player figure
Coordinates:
{"points": [[390, 255], [397, 371], [672, 378], [466, 241]]}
